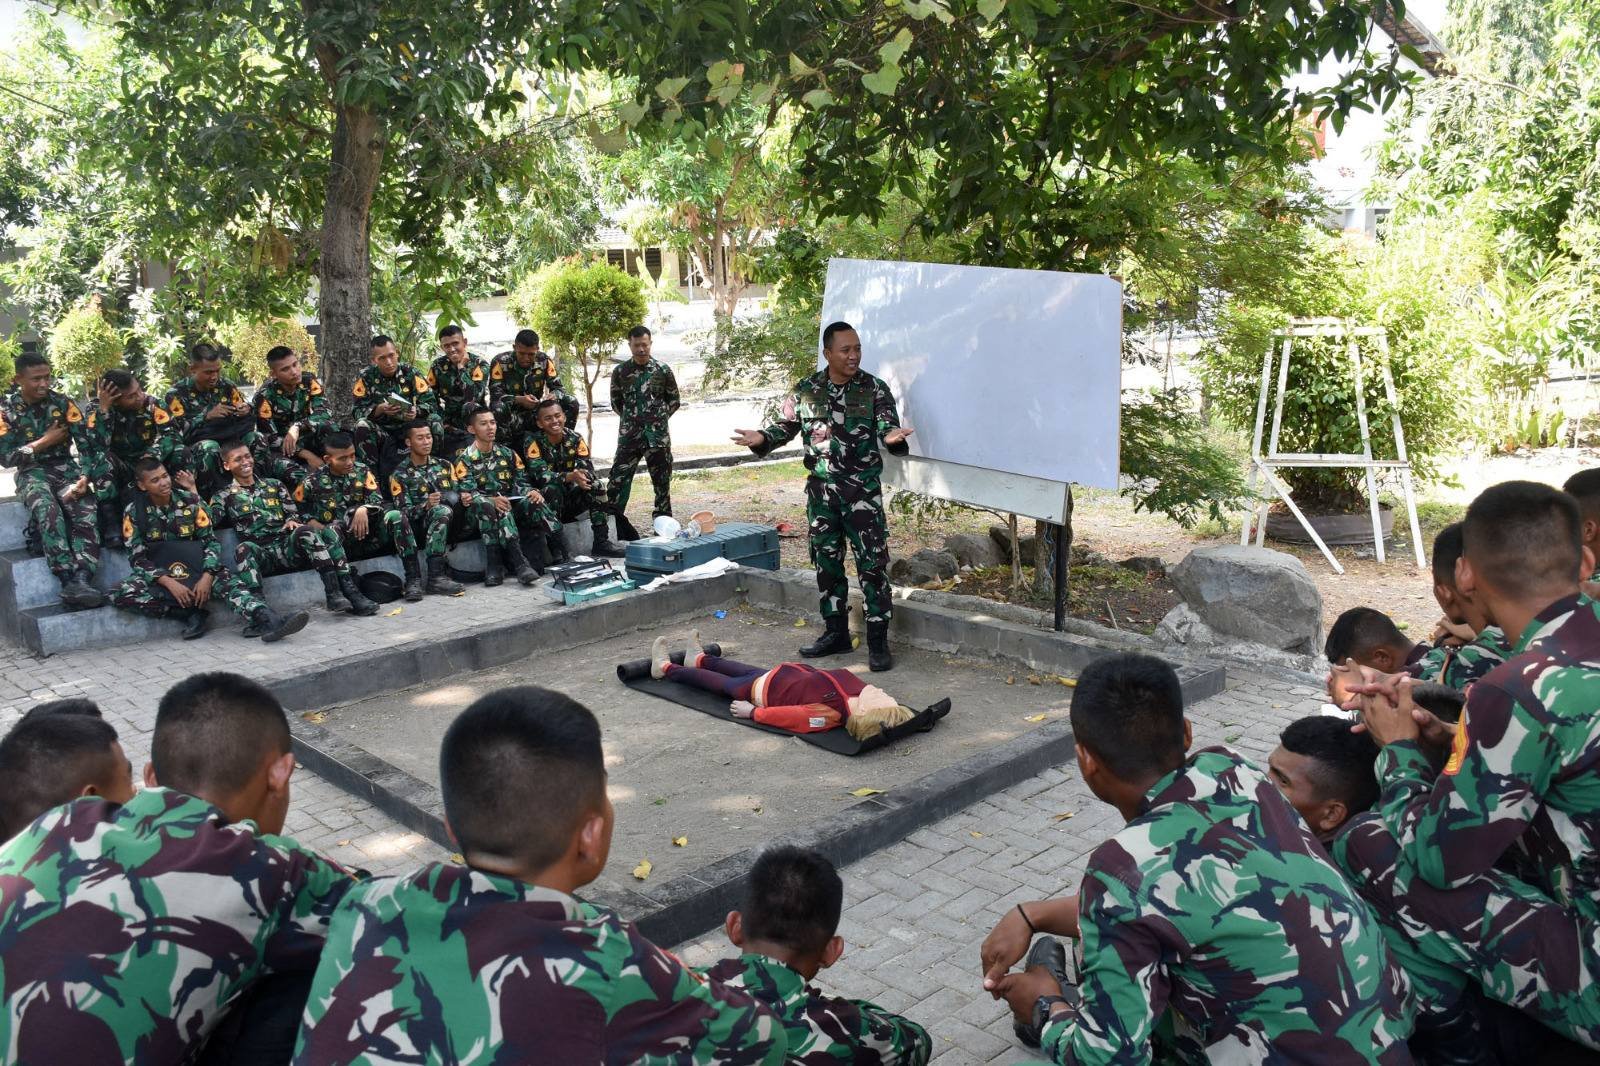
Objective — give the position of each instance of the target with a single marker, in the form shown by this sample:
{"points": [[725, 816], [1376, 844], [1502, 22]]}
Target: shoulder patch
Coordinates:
{"points": [[316, 387], [73, 414], [201, 519], [359, 389], [1458, 749], [91, 419], [583, 446], [533, 449], [420, 383], [517, 459], [433, 382], [461, 471], [265, 410], [394, 487], [300, 492], [160, 415], [372, 482], [127, 527], [498, 371], [175, 407], [477, 373]]}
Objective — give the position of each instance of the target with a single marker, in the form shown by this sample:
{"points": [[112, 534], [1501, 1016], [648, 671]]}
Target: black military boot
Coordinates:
{"points": [[440, 583], [271, 625], [359, 604], [78, 593], [537, 552], [494, 566], [334, 597], [557, 549], [605, 548], [195, 621], [109, 517], [878, 657], [526, 574], [1451, 1036], [834, 640], [413, 591]]}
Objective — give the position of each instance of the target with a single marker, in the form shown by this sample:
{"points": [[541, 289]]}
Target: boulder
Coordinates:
{"points": [[1254, 594], [1183, 631], [1144, 564], [972, 550], [922, 567], [1001, 535]]}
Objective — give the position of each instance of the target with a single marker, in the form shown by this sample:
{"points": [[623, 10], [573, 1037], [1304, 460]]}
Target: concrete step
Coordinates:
{"points": [[13, 521]]}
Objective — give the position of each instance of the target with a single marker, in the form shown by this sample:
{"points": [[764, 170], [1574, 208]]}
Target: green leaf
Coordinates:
{"points": [[632, 112], [669, 88], [817, 99], [799, 68], [990, 10], [891, 51], [882, 82]]}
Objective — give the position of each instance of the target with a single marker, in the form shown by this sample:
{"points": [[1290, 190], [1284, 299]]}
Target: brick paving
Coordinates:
{"points": [[915, 912]]}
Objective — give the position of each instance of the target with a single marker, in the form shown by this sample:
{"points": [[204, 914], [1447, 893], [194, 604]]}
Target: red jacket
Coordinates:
{"points": [[791, 693]]}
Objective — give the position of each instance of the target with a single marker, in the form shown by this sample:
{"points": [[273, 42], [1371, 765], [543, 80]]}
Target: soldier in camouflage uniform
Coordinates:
{"points": [[786, 935], [505, 505], [273, 539], [1517, 789], [1502, 934], [460, 380], [559, 466], [845, 415], [387, 397], [1584, 486], [126, 424], [343, 495], [1213, 915], [176, 563], [291, 415], [1452, 661], [424, 489], [496, 960], [144, 924], [644, 394], [38, 427], [205, 411], [518, 380]]}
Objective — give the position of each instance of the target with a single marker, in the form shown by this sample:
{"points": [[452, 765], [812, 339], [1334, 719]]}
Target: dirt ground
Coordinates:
{"points": [[677, 773], [1106, 523]]}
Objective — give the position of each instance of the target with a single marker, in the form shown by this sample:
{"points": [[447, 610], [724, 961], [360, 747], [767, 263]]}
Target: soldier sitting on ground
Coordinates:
{"points": [[205, 411], [559, 465], [145, 923], [498, 954], [344, 496], [274, 540], [505, 505], [786, 933], [125, 425], [177, 562], [1495, 931], [1371, 638], [291, 415], [38, 427], [1584, 486], [424, 489], [60, 751], [1453, 661], [1165, 937]]}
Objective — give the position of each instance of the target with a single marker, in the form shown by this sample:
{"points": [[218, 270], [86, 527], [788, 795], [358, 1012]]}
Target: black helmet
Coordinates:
{"points": [[380, 586]]}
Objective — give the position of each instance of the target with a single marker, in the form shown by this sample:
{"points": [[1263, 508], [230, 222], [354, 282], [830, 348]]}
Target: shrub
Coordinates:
{"points": [[251, 341], [83, 345], [587, 310], [9, 350]]}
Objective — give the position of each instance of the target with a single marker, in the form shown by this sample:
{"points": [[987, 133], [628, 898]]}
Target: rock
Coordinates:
{"points": [[971, 550], [1182, 630], [924, 566], [1251, 593], [1002, 538], [1144, 564]]}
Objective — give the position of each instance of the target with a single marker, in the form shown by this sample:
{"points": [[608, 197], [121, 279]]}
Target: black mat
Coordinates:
{"points": [[636, 675]]}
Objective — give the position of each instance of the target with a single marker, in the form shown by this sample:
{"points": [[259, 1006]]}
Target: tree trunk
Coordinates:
{"points": [[345, 298], [1044, 572]]}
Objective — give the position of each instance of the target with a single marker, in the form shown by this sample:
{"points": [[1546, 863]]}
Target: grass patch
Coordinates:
{"points": [[740, 478]]}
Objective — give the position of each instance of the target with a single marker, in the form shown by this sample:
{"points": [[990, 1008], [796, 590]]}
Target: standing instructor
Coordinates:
{"points": [[844, 413]]}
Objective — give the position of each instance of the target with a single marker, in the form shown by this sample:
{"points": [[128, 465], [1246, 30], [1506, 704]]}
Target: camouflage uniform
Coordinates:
{"points": [[1218, 903], [258, 514], [1520, 782], [844, 426], [643, 397], [509, 379], [1518, 946], [278, 410], [451, 964], [187, 405], [139, 923], [331, 499], [458, 386], [377, 431], [822, 1029], [183, 518], [548, 465], [501, 473], [1460, 667], [67, 528], [117, 440], [409, 487]]}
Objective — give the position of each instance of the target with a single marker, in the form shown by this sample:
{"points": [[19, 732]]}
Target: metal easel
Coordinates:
{"points": [[1267, 465]]}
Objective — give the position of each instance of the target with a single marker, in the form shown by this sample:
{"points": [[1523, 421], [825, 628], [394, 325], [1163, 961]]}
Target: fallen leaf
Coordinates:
{"points": [[642, 871], [1070, 682], [1035, 717], [315, 717], [756, 809], [1011, 680], [867, 792], [975, 833], [855, 642], [680, 842], [1063, 816], [344, 843], [799, 623], [457, 857], [1034, 679], [659, 801], [394, 612]]}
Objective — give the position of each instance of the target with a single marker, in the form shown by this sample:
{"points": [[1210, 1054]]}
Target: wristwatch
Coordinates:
{"points": [[26, 449], [1041, 1011]]}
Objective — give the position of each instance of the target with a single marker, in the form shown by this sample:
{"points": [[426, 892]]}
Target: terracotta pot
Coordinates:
{"points": [[1334, 529], [706, 520]]}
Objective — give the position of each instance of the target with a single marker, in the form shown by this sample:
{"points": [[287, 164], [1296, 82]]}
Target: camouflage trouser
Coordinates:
{"points": [[853, 512], [387, 531], [141, 593], [67, 528], [301, 548], [569, 501], [630, 449], [433, 523], [525, 516]]}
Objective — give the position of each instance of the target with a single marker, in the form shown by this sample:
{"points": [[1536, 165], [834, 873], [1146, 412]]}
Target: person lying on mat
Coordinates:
{"points": [[793, 696]]}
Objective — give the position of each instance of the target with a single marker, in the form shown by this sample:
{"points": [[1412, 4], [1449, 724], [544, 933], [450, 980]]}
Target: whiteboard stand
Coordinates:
{"points": [[1265, 465]]}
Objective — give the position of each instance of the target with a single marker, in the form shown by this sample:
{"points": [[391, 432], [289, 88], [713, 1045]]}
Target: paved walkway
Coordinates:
{"points": [[915, 912]]}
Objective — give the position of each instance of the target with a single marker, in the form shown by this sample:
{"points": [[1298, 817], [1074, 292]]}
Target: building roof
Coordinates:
{"points": [[1408, 29]]}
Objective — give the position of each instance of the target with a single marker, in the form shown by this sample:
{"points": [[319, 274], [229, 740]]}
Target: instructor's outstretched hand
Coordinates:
{"points": [[748, 438], [895, 436]]}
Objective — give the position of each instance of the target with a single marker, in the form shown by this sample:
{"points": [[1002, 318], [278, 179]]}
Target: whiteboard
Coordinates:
{"points": [[1014, 371]]}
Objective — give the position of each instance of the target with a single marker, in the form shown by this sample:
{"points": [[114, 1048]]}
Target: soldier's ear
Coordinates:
{"points": [[1333, 814], [279, 771], [832, 950], [734, 927], [1188, 735], [150, 776], [1588, 563]]}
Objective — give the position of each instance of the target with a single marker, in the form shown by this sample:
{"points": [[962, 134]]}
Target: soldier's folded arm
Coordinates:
{"points": [[1456, 824]]}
